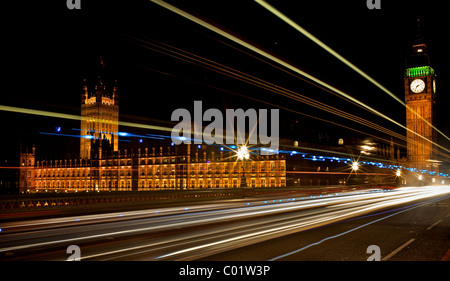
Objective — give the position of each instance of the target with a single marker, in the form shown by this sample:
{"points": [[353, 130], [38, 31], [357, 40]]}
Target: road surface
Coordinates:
{"points": [[409, 223]]}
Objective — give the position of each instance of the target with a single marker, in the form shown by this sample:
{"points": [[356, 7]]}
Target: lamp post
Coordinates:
{"points": [[398, 177], [243, 154], [354, 168]]}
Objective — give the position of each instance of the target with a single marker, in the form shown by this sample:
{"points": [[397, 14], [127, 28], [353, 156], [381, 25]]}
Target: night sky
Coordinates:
{"points": [[51, 49]]}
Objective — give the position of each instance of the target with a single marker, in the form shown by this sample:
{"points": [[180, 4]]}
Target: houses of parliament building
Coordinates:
{"points": [[102, 166]]}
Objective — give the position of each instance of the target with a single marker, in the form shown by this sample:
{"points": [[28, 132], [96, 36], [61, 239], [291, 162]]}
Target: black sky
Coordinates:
{"points": [[50, 49]]}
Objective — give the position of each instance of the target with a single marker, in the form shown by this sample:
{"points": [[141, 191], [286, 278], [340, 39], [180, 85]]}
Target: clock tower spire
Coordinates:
{"points": [[420, 97], [419, 53]]}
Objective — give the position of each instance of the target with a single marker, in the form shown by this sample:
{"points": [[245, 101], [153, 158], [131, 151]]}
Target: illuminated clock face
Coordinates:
{"points": [[417, 86]]}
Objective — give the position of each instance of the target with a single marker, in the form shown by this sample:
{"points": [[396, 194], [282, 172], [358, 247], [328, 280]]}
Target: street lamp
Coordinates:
{"points": [[355, 166], [398, 173], [243, 154]]}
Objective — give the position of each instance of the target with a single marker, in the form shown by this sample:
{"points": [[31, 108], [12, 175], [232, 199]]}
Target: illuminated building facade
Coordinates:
{"points": [[420, 97], [100, 116], [103, 167], [150, 170]]}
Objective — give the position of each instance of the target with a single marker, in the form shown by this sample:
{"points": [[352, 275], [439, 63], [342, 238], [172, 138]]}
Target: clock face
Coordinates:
{"points": [[417, 86]]}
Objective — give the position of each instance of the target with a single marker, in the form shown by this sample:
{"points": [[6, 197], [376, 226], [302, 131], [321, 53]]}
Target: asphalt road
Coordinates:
{"points": [[406, 224], [415, 231]]}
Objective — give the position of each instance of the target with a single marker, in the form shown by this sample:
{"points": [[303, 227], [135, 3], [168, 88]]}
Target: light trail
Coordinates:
{"points": [[280, 107], [244, 77], [76, 117], [236, 74], [247, 78], [274, 105], [274, 230], [348, 231], [336, 173], [260, 83], [342, 59], [80, 118], [281, 91], [283, 63], [245, 223]]}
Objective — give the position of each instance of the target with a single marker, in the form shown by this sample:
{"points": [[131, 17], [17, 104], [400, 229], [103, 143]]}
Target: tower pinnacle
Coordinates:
{"points": [[419, 53], [420, 38]]}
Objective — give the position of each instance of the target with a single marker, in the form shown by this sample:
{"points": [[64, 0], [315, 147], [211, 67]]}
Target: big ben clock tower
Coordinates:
{"points": [[420, 97]]}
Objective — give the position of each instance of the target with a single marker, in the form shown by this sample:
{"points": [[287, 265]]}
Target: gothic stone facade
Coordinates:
{"points": [[149, 170]]}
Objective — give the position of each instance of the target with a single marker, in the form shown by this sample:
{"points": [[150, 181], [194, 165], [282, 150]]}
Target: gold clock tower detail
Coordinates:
{"points": [[420, 97]]}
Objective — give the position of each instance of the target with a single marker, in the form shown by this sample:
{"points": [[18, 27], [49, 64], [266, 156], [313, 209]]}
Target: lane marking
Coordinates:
{"points": [[338, 235], [356, 228], [434, 224], [398, 249]]}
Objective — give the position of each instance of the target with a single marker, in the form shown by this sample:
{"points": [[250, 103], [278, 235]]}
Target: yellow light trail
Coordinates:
{"points": [[244, 77], [341, 58], [79, 118], [122, 123], [402, 137], [247, 78], [274, 105], [285, 64]]}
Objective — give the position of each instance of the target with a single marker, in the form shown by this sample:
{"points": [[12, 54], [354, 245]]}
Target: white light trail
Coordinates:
{"points": [[288, 217], [284, 228]]}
